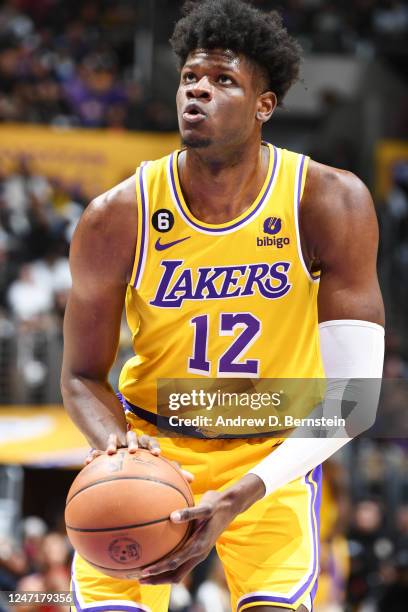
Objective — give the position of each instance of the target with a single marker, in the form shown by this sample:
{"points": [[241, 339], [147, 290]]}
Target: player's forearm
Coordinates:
{"points": [[94, 408], [353, 355], [242, 494]]}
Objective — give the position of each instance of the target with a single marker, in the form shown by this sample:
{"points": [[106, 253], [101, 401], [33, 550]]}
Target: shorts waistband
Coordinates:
{"points": [[163, 423]]}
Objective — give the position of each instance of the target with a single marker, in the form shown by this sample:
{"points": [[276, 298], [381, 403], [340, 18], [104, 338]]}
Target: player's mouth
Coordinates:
{"points": [[193, 113]]}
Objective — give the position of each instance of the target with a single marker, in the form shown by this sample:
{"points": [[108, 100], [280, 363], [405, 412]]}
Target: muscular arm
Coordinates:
{"points": [[340, 236], [101, 258]]}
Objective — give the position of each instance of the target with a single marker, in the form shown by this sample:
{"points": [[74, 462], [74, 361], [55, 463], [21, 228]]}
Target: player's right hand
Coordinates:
{"points": [[186, 474], [133, 442]]}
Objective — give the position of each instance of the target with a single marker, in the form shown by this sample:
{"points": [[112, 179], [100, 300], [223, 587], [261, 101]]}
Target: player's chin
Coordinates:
{"points": [[194, 141]]}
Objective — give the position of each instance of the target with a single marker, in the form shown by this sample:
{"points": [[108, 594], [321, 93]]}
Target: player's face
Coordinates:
{"points": [[217, 99]]}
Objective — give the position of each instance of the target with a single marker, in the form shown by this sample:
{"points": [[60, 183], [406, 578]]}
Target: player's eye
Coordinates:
{"points": [[224, 79], [189, 77]]}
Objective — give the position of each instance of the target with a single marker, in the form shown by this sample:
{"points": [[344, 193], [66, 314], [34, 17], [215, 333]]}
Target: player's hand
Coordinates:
{"points": [[187, 475], [133, 443], [209, 519]]}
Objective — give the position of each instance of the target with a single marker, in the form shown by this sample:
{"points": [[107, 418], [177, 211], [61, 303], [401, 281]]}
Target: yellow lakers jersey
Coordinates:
{"points": [[232, 300]]}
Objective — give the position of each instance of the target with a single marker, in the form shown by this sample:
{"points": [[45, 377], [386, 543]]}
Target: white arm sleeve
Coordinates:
{"points": [[352, 351]]}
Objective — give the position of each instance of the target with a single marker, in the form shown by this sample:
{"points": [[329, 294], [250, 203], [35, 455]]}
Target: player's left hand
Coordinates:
{"points": [[209, 519]]}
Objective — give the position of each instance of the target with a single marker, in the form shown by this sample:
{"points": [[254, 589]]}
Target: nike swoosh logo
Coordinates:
{"points": [[159, 246]]}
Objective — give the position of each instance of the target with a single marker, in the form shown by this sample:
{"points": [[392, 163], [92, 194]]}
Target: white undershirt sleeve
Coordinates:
{"points": [[353, 356]]}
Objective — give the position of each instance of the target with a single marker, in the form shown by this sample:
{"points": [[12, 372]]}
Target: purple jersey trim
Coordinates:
{"points": [[143, 226], [314, 276], [313, 478], [302, 164], [216, 230]]}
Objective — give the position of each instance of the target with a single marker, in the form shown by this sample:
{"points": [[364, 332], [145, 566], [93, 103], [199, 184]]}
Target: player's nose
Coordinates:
{"points": [[202, 89]]}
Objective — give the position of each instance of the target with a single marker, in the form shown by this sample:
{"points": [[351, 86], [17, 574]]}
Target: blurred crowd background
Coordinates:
{"points": [[107, 64], [84, 63]]}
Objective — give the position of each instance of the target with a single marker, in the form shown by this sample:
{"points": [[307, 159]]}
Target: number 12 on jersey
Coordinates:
{"points": [[231, 362]]}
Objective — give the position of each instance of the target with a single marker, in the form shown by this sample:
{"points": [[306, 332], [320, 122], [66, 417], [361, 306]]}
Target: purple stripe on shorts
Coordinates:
{"points": [[143, 227], [318, 474], [216, 230], [103, 607], [313, 477], [113, 607]]}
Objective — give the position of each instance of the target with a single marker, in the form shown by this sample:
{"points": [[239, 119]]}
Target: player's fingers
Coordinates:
{"points": [[131, 439], [189, 551], [93, 453], [143, 441], [149, 443], [171, 577], [154, 446], [188, 475], [112, 445], [200, 512]]}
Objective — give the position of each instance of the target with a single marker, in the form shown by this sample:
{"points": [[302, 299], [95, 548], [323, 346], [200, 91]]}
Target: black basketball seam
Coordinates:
{"points": [[149, 478], [94, 529], [178, 473], [115, 569]]}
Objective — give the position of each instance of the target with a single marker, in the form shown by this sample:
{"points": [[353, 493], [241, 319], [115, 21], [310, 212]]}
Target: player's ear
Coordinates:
{"points": [[267, 103]]}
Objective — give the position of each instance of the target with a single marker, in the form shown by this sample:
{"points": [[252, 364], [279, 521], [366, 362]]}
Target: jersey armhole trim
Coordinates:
{"points": [[300, 180], [142, 239]]}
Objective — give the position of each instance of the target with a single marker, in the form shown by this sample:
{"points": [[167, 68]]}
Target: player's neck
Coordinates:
{"points": [[219, 187]]}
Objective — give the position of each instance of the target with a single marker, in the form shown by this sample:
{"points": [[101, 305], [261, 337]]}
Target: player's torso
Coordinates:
{"points": [[230, 300]]}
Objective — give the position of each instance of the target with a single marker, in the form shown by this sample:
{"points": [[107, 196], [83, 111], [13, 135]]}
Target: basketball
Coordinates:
{"points": [[118, 508]]}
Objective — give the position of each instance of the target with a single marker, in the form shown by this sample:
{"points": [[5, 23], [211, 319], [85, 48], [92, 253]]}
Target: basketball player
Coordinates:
{"points": [[184, 244]]}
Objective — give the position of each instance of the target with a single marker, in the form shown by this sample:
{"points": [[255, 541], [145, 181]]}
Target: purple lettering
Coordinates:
{"points": [[199, 363], [230, 281], [256, 273], [284, 286], [175, 286], [206, 283], [160, 299], [182, 288], [230, 362]]}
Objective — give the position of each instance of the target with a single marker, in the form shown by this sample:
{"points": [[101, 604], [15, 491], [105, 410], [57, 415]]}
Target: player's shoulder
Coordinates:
{"points": [[116, 200], [339, 204], [117, 205], [324, 180], [109, 226], [333, 193]]}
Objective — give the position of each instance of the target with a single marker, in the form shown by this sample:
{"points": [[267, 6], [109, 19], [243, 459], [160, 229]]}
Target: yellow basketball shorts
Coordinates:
{"points": [[270, 552]]}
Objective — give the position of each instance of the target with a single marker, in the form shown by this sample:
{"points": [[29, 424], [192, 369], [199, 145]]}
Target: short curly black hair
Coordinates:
{"points": [[241, 28]]}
